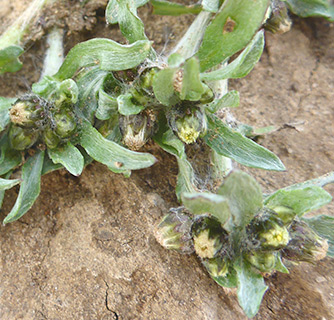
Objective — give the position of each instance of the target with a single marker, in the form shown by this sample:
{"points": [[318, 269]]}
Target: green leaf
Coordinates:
{"points": [[175, 60], [107, 106], [229, 281], [168, 8], [231, 30], [124, 12], [2, 192], [324, 226], [299, 200], [49, 87], [320, 182], [242, 65], [126, 107], [45, 87], [30, 187], [251, 288], [10, 158], [111, 130], [210, 5], [166, 139], [254, 132], [163, 87], [117, 158], [234, 145], [192, 88], [214, 204], [229, 100], [244, 197], [69, 90], [49, 166], [69, 156], [108, 54], [279, 266], [5, 105], [140, 3], [185, 177], [220, 166], [7, 184], [9, 59], [115, 6], [311, 8], [89, 86]]}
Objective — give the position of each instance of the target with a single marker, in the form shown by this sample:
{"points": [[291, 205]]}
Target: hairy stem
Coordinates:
{"points": [[14, 33], [191, 41], [54, 55]]}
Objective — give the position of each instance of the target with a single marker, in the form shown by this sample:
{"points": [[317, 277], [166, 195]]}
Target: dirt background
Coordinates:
{"points": [[86, 249]]}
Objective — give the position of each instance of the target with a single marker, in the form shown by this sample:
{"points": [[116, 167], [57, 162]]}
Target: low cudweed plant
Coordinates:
{"points": [[106, 100], [241, 235]]}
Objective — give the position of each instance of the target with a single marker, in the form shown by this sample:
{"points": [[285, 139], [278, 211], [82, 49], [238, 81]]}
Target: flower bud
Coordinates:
{"points": [[275, 238], [50, 138], [261, 260], [189, 124], [209, 237], [269, 231], [217, 267], [137, 129], [305, 244], [65, 124], [21, 139], [20, 113], [27, 110], [279, 21], [174, 232]]}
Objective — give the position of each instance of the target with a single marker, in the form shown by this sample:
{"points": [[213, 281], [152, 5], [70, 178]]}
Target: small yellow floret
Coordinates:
{"points": [[204, 246], [18, 113], [188, 134], [276, 237]]}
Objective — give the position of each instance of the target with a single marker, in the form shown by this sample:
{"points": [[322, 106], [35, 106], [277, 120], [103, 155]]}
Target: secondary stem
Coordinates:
{"points": [[191, 41], [54, 55], [14, 34]]}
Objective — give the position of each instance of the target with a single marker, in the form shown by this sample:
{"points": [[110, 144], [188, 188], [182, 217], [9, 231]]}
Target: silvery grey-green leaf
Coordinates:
{"points": [[251, 288], [69, 156], [299, 200], [231, 30], [5, 104], [229, 143], [116, 157], [30, 187], [244, 196], [204, 202], [229, 100], [242, 65], [107, 54]]}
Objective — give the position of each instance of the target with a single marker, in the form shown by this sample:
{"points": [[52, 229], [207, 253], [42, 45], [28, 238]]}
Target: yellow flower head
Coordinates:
{"points": [[276, 237], [205, 246]]}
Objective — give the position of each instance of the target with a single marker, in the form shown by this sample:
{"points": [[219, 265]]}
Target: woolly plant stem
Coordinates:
{"points": [[54, 55]]}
